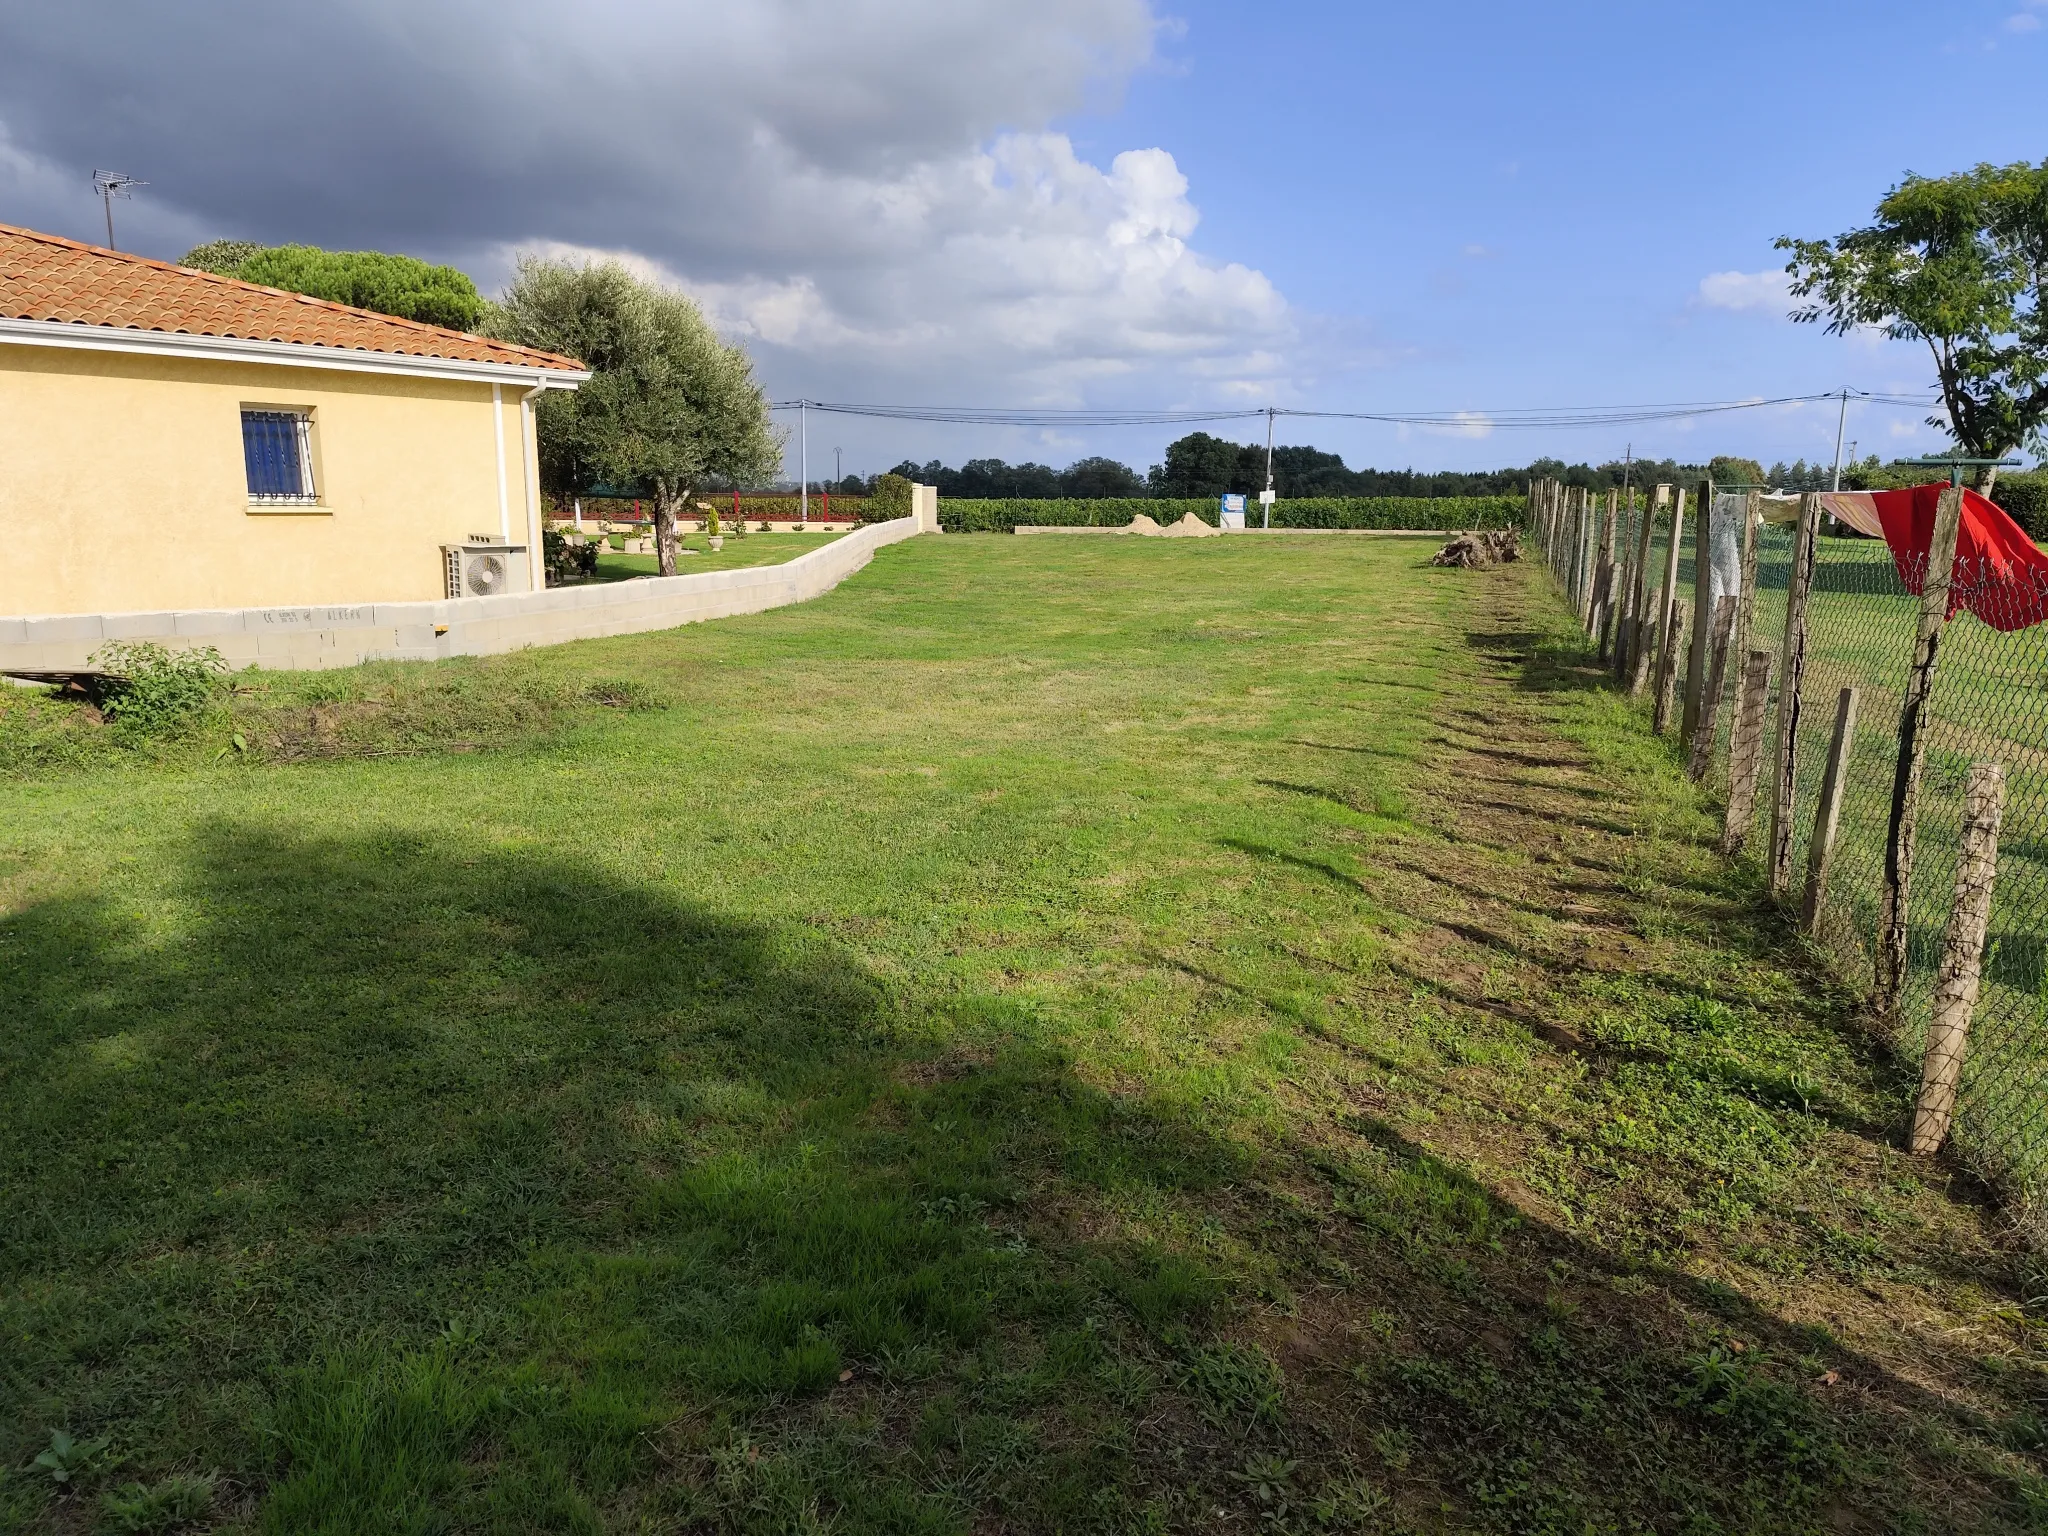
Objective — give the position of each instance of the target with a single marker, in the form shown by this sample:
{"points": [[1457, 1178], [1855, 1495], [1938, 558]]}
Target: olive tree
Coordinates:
{"points": [[1957, 262], [669, 408]]}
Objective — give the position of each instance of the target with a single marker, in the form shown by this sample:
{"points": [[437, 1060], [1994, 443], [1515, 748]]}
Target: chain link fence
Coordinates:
{"points": [[1988, 703]]}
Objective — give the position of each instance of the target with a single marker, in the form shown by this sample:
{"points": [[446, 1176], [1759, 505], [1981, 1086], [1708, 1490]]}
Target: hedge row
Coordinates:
{"points": [[964, 515], [2025, 497]]}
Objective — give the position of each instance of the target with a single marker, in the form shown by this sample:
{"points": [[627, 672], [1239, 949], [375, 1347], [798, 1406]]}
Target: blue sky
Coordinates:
{"points": [[1094, 203], [1501, 205]]}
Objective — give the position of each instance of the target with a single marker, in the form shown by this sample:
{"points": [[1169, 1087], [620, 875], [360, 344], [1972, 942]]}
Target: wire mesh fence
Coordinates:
{"points": [[1856, 626]]}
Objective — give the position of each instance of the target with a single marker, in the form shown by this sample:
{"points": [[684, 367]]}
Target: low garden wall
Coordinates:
{"points": [[314, 637]]}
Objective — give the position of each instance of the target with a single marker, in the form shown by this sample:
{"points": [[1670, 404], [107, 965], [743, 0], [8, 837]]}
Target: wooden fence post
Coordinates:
{"points": [[1890, 964], [1709, 721], [1962, 958], [1791, 680], [1746, 750], [1745, 613], [1827, 816], [1667, 669], [1604, 608], [1578, 555], [1639, 593], [1589, 558], [1702, 610], [1650, 633], [1624, 569]]}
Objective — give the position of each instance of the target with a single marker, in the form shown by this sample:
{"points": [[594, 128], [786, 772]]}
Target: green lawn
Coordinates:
{"points": [[1054, 1036], [753, 549]]}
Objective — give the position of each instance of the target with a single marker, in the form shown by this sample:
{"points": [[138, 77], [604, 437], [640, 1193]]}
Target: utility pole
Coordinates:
{"points": [[1841, 424], [110, 185], [803, 462], [1266, 501], [837, 468]]}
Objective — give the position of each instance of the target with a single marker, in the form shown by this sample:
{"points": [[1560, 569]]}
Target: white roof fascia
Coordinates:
{"points": [[292, 354]]}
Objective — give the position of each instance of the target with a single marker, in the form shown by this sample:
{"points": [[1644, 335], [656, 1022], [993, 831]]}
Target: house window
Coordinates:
{"points": [[277, 448]]}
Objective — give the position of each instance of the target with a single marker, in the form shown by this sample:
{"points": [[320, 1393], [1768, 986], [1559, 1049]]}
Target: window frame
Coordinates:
{"points": [[309, 497]]}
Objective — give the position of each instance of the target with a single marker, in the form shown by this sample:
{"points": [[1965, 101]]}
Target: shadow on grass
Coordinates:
{"points": [[423, 1186], [424, 1183]]}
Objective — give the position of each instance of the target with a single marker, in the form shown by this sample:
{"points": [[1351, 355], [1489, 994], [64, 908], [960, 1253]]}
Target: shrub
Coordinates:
{"points": [[390, 284], [565, 561], [2025, 497], [889, 501], [155, 691]]}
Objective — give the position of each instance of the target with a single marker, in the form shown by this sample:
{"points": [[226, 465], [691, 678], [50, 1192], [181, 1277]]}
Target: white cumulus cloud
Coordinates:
{"points": [[1770, 290], [873, 194]]}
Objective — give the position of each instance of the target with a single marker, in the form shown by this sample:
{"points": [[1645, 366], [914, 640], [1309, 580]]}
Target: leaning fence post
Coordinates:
{"points": [[1962, 958], [1717, 681], [1890, 964], [1746, 750], [1827, 816], [1702, 610], [1791, 680]]}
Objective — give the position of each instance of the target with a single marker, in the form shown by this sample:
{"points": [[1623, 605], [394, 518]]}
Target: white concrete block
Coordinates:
{"points": [[81, 627], [139, 626], [199, 623]]}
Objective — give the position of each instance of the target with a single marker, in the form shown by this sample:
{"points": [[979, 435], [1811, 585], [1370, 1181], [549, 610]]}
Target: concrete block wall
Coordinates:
{"points": [[313, 638]]}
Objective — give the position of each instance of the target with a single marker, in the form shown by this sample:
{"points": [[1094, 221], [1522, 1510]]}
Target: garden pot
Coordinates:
{"points": [[716, 541]]}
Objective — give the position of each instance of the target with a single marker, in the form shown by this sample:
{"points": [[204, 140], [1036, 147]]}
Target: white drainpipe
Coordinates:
{"points": [[530, 473]]}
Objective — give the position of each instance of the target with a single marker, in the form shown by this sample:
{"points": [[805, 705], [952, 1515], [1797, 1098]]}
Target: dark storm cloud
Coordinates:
{"points": [[867, 193]]}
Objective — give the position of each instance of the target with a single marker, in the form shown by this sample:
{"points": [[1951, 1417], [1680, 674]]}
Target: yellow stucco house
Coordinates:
{"points": [[173, 440]]}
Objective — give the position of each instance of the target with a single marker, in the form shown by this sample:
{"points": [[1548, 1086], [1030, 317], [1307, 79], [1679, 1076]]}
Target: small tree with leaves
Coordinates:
{"points": [[669, 408], [1957, 262]]}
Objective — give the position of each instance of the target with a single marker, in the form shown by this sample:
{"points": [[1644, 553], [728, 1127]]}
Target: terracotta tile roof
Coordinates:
{"points": [[46, 277]]}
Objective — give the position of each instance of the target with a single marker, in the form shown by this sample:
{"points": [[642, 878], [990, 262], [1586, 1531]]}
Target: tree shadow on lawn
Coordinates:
{"points": [[416, 1186], [408, 1177]]}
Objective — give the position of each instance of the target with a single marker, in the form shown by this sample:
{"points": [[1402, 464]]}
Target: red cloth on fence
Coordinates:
{"points": [[1999, 574]]}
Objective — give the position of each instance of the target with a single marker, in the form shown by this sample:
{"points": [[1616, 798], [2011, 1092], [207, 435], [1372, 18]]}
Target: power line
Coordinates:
{"points": [[1522, 417]]}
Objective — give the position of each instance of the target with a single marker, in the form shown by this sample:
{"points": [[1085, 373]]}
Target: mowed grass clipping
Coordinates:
{"points": [[1053, 1036]]}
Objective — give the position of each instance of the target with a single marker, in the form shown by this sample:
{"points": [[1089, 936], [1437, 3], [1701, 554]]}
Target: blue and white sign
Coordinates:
{"points": [[1233, 512]]}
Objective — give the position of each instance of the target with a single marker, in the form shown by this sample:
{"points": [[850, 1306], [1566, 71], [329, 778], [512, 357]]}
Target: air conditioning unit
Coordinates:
{"points": [[485, 567]]}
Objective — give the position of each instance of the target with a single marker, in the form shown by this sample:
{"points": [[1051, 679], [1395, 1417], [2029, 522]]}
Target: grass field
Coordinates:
{"points": [[1054, 1036], [753, 549]]}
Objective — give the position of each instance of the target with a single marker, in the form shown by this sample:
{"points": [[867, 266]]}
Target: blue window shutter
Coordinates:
{"points": [[270, 452]]}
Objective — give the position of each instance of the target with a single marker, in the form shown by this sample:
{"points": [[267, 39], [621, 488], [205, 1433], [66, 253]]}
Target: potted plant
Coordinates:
{"points": [[712, 534]]}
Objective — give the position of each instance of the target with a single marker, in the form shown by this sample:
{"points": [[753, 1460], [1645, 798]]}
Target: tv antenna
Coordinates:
{"points": [[110, 185]]}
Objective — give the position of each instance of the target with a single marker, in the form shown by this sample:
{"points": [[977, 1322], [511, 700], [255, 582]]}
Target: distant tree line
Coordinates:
{"points": [[1202, 465]]}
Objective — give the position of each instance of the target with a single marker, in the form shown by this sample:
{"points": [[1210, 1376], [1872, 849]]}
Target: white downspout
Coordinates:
{"points": [[498, 425], [530, 473]]}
